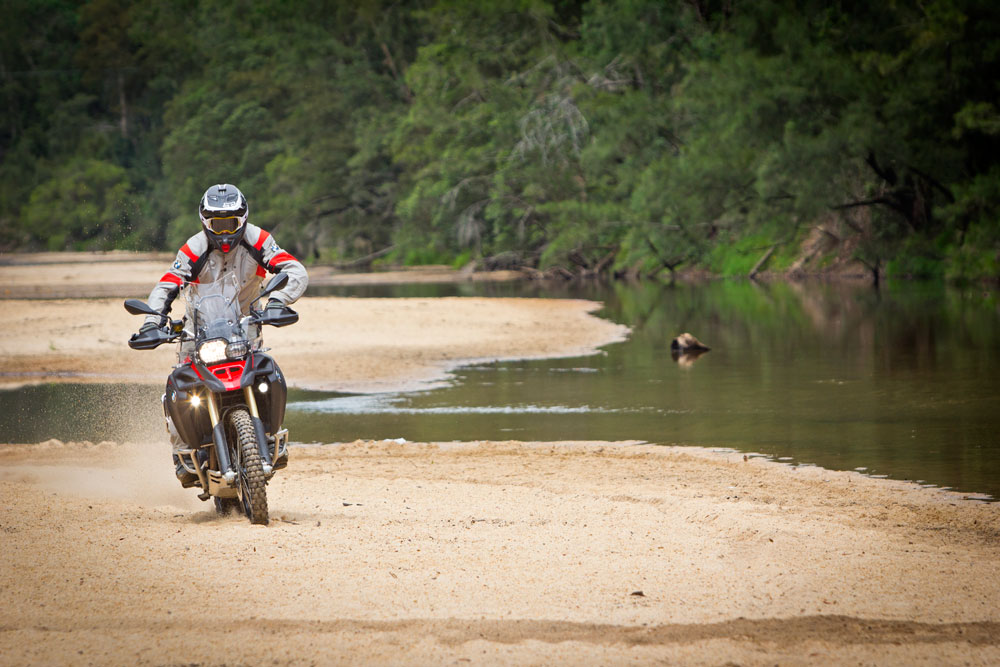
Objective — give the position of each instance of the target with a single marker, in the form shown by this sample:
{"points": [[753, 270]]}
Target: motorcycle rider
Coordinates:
{"points": [[226, 244]]}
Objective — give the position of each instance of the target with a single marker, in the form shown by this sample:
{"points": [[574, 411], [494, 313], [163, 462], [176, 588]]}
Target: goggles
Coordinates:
{"points": [[224, 225]]}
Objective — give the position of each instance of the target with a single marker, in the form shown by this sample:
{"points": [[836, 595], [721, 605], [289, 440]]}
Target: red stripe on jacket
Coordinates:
{"points": [[170, 278], [261, 240], [281, 257], [187, 251]]}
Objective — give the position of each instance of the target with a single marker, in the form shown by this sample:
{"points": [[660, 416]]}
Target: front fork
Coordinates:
{"points": [[258, 427], [219, 436]]}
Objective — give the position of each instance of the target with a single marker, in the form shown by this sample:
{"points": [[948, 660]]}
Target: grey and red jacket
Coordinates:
{"points": [[256, 254]]}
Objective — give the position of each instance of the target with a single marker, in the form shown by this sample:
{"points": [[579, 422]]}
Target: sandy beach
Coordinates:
{"points": [[394, 553]]}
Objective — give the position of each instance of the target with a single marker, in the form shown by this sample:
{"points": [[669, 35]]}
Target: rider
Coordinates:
{"points": [[226, 244]]}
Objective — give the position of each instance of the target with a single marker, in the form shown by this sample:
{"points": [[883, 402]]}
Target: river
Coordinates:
{"points": [[901, 382]]}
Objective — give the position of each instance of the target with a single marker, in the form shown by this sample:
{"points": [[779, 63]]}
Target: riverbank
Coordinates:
{"points": [[69, 275], [119, 273], [491, 553]]}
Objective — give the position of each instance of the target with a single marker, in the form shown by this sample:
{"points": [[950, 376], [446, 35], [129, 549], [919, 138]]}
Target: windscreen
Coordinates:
{"points": [[213, 309]]}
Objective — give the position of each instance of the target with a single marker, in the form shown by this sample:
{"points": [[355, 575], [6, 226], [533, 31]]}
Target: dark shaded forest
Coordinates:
{"points": [[628, 137]]}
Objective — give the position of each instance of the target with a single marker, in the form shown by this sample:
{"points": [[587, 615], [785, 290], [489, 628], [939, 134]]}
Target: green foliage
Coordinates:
{"points": [[739, 257], [634, 136], [977, 258], [919, 257], [86, 205], [416, 256]]}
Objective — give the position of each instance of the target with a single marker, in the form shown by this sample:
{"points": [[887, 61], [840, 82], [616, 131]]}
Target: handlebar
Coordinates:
{"points": [[171, 330]]}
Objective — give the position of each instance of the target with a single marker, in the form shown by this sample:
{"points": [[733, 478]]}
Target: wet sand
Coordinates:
{"points": [[465, 553]]}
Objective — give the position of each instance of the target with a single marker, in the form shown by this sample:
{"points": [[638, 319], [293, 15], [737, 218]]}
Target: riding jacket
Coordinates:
{"points": [[256, 254]]}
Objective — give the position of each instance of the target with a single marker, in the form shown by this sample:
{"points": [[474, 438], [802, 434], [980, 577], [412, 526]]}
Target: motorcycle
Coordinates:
{"points": [[225, 399]]}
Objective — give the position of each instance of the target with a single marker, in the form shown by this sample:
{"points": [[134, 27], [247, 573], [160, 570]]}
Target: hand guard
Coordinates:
{"points": [[277, 314], [149, 336]]}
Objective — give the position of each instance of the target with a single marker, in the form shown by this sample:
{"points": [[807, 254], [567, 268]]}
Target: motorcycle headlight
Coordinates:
{"points": [[237, 350], [212, 351]]}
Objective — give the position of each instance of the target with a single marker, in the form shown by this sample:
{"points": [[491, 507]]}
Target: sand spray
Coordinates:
{"points": [[146, 462], [132, 463]]}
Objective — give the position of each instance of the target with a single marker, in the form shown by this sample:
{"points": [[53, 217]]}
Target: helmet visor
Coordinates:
{"points": [[224, 225]]}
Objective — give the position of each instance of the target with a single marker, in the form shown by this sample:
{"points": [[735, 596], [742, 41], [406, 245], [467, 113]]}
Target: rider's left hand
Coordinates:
{"points": [[278, 314]]}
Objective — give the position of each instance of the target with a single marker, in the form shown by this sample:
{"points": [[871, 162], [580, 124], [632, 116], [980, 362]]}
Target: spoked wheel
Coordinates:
{"points": [[252, 482]]}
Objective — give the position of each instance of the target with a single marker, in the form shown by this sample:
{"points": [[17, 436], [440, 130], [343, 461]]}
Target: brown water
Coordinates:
{"points": [[904, 382]]}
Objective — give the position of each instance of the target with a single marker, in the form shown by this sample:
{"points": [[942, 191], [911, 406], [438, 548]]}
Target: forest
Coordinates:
{"points": [[600, 137]]}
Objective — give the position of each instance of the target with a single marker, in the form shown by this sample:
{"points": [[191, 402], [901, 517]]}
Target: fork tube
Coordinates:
{"points": [[258, 427], [218, 435], [251, 401], [213, 409]]}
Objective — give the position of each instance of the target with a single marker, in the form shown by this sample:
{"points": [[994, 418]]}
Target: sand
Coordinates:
{"points": [[466, 553], [485, 552], [339, 344]]}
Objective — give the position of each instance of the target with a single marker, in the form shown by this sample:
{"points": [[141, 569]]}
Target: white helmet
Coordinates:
{"points": [[223, 211]]}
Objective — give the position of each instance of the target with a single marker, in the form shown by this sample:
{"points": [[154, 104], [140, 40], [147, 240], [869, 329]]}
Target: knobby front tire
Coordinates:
{"points": [[253, 483]]}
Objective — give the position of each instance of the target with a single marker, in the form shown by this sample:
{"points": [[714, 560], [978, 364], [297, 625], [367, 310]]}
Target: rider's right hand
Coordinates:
{"points": [[146, 328]]}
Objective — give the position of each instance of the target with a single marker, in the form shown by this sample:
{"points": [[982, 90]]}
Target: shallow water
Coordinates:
{"points": [[901, 382]]}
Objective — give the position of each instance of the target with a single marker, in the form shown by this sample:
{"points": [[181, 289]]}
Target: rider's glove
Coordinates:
{"points": [[146, 328], [275, 304]]}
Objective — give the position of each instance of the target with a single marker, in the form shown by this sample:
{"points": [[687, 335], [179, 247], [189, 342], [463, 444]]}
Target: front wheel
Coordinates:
{"points": [[253, 483]]}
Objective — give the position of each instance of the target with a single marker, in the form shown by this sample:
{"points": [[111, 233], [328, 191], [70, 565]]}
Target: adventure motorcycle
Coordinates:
{"points": [[225, 400]]}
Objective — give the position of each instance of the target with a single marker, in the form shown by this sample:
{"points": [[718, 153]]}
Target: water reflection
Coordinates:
{"points": [[686, 358]]}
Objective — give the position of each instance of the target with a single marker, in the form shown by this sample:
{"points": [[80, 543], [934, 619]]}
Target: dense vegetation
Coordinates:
{"points": [[601, 136]]}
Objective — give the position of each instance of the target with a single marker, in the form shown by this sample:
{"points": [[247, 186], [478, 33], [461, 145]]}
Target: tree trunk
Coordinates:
{"points": [[123, 103], [762, 261]]}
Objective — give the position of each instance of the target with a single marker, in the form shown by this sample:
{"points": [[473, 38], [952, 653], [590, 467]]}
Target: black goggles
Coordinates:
{"points": [[224, 225]]}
